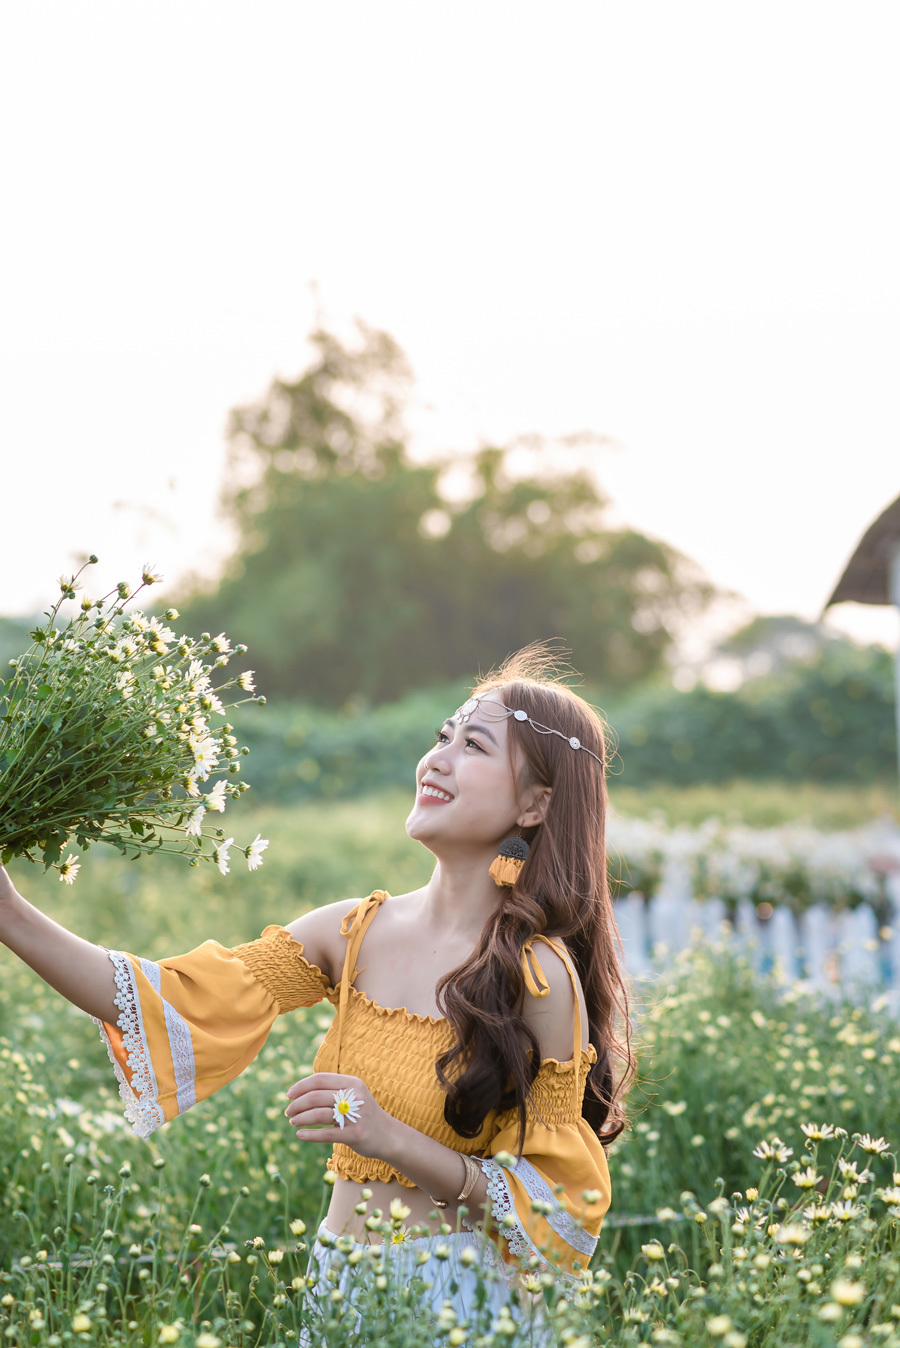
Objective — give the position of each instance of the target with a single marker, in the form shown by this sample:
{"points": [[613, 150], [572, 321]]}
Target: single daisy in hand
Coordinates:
{"points": [[346, 1106]]}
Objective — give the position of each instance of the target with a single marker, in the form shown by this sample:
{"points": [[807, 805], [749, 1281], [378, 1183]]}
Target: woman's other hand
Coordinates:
{"points": [[312, 1113]]}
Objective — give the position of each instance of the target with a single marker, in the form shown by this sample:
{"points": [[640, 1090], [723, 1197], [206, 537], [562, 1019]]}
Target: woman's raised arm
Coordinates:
{"points": [[82, 972]]}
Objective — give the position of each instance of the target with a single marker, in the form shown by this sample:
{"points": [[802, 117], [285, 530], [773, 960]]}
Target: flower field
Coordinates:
{"points": [[756, 1197]]}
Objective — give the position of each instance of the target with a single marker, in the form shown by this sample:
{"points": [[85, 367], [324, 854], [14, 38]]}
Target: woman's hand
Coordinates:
{"points": [[313, 1103]]}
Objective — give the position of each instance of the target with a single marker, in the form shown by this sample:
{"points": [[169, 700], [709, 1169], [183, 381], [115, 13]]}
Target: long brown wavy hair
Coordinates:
{"points": [[561, 891]]}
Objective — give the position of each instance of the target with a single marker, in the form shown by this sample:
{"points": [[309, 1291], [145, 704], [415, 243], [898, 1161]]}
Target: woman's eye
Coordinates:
{"points": [[441, 738], [475, 745]]}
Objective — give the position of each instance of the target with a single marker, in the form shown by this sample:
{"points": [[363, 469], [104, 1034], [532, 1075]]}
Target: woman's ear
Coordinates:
{"points": [[540, 801]]}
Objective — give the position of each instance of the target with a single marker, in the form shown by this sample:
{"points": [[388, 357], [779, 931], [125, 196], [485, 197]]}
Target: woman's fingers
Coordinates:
{"points": [[312, 1101], [330, 1081], [310, 1118]]}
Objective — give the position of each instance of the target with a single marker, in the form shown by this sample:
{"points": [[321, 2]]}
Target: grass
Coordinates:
{"points": [[198, 1234], [762, 804]]}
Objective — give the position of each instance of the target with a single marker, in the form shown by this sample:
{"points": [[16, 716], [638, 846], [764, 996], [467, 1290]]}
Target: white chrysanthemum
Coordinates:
{"points": [[807, 1179], [847, 1293], [773, 1151], [69, 869], [674, 1107], [162, 635], [850, 1171], [205, 757], [653, 1250], [845, 1211], [792, 1234], [874, 1144], [221, 644], [245, 681], [195, 823], [222, 856], [255, 851], [125, 682], [347, 1105], [817, 1132], [215, 800]]}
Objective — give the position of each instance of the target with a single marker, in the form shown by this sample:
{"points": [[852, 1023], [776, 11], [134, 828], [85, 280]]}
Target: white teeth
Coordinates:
{"points": [[433, 791]]}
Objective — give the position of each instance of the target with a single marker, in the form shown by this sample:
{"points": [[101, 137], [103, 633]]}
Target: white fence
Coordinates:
{"points": [[832, 951]]}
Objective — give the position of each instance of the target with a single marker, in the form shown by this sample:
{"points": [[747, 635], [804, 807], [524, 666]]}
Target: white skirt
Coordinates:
{"points": [[447, 1292]]}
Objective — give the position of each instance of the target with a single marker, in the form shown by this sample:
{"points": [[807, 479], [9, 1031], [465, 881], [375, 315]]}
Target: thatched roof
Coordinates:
{"points": [[866, 578]]}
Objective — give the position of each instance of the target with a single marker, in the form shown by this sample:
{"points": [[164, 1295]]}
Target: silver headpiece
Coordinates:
{"points": [[503, 713]]}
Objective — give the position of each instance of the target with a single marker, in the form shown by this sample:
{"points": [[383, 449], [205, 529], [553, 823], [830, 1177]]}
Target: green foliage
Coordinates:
{"points": [[200, 1230], [302, 752], [356, 577], [829, 718], [760, 804]]}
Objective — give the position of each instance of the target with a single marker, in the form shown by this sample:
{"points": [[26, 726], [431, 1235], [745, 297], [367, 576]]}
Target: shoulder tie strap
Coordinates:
{"points": [[542, 989], [354, 927], [529, 958]]}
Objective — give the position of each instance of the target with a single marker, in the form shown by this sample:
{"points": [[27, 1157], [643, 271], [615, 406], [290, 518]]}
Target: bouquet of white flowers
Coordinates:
{"points": [[106, 736]]}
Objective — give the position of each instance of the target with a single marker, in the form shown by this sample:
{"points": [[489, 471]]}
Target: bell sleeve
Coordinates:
{"points": [[190, 1024], [550, 1202]]}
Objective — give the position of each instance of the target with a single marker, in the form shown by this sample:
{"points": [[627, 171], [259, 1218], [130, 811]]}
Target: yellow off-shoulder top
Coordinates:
{"points": [[192, 1023]]}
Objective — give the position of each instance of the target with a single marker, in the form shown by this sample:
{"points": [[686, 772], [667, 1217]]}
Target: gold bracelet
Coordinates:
{"points": [[473, 1170]]}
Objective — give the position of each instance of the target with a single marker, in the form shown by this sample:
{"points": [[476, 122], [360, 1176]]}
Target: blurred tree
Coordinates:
{"points": [[828, 717], [356, 576]]}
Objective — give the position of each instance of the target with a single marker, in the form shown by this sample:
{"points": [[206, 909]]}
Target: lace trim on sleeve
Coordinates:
{"points": [[180, 1045], [139, 1096], [503, 1210]]}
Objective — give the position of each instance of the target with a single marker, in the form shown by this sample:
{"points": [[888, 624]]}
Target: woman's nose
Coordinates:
{"points": [[436, 759]]}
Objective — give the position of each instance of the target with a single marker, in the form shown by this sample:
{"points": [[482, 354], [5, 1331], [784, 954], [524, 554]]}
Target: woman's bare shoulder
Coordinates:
{"points": [[319, 932], [552, 1017]]}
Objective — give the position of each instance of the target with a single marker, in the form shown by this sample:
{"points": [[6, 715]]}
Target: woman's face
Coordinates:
{"points": [[466, 797]]}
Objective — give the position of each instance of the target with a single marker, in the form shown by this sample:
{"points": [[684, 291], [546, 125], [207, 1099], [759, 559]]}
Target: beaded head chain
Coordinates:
{"points": [[503, 713]]}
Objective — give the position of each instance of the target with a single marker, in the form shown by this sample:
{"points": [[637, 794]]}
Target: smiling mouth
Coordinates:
{"points": [[432, 793]]}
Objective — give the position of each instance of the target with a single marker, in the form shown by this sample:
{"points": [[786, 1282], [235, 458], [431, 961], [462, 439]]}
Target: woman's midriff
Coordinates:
{"points": [[343, 1220]]}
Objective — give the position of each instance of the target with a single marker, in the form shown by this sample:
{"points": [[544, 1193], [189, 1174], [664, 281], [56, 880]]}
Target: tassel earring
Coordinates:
{"points": [[506, 865]]}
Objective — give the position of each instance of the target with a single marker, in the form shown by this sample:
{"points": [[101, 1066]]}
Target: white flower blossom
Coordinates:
{"points": [[807, 1179], [817, 1132], [245, 681], [874, 1144], [162, 635], [850, 1171], [773, 1151], [222, 856], [196, 679], [255, 851], [215, 800], [347, 1105], [69, 869], [125, 683], [205, 757], [195, 823], [221, 644]]}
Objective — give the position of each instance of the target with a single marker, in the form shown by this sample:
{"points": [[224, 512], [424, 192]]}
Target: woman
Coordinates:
{"points": [[476, 1016]]}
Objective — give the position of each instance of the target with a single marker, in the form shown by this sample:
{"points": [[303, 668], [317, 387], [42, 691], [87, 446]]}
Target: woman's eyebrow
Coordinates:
{"points": [[474, 725]]}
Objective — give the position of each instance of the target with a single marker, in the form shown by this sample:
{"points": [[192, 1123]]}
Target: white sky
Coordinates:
{"points": [[674, 224]]}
